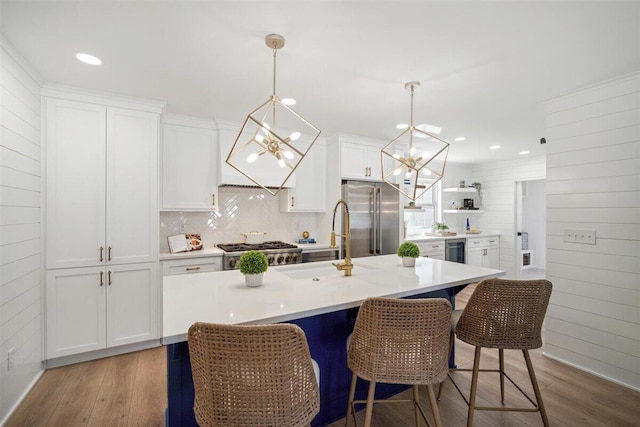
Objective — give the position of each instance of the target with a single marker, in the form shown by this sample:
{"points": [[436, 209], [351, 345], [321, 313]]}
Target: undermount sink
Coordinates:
{"points": [[312, 270]]}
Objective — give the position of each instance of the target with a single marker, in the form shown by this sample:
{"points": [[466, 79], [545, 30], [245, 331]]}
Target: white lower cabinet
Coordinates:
{"points": [[431, 249], [94, 308], [190, 266], [483, 252]]}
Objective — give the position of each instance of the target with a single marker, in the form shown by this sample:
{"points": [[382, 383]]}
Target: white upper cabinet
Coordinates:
{"points": [[310, 193], [102, 184], [189, 164], [360, 161]]}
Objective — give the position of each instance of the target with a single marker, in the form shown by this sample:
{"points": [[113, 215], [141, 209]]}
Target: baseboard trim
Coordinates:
{"points": [[594, 373], [21, 398], [99, 354]]}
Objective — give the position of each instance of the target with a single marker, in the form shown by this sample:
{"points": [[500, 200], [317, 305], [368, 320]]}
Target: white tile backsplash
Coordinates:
{"points": [[241, 210]]}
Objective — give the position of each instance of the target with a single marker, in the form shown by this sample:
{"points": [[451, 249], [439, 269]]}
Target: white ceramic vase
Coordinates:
{"points": [[253, 280], [408, 261]]}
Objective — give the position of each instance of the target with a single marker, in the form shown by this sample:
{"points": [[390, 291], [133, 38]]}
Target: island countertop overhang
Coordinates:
{"points": [[222, 297]]}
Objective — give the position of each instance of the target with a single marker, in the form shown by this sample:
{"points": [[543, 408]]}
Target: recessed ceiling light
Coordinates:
{"points": [[402, 126], [88, 59], [494, 147], [460, 138], [288, 101], [525, 152]]}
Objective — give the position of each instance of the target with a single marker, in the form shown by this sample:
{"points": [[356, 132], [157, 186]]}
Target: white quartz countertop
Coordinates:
{"points": [[463, 235], [290, 292], [208, 252]]}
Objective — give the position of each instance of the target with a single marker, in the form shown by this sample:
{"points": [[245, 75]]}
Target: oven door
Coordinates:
{"points": [[454, 250]]}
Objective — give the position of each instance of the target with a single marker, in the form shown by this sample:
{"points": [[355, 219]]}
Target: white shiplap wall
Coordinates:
{"points": [[20, 214], [498, 201], [593, 173]]}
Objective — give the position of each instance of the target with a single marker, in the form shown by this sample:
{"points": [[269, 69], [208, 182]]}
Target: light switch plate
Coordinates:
{"points": [[11, 359], [580, 235]]}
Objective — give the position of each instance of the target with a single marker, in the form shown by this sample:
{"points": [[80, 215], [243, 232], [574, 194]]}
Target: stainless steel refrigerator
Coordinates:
{"points": [[374, 209]]}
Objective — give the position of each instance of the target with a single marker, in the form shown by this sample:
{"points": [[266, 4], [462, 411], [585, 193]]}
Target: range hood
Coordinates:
{"points": [[262, 170]]}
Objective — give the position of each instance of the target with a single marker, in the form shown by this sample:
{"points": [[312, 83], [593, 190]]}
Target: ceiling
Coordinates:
{"points": [[486, 68]]}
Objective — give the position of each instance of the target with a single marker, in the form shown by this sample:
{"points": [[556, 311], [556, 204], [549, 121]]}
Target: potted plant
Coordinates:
{"points": [[253, 264], [441, 227], [408, 252]]}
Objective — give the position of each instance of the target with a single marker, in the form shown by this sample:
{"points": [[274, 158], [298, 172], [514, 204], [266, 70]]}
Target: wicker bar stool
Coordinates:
{"points": [[400, 341], [507, 315], [252, 375]]}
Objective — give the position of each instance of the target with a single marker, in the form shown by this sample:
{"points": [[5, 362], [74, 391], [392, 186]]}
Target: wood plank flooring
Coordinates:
{"points": [[130, 390]]}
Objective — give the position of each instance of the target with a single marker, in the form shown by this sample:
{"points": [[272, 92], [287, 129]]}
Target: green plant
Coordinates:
{"points": [[441, 226], [477, 186], [253, 262], [408, 249]]}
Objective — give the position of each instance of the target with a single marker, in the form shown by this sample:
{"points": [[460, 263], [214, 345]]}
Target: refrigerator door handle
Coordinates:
{"points": [[372, 239], [379, 225]]}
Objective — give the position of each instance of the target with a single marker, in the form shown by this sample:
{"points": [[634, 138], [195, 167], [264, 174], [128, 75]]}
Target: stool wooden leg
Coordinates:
{"points": [[474, 386], [452, 339], [369, 410], [352, 393], [536, 389], [501, 358], [416, 402], [434, 405]]}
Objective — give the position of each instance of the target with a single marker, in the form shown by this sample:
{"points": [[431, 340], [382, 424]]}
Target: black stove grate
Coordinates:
{"points": [[242, 247]]}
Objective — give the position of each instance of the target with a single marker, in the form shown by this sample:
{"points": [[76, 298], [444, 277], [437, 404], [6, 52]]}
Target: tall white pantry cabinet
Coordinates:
{"points": [[102, 286]]}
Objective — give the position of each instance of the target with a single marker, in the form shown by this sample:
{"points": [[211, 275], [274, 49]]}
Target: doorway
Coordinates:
{"points": [[531, 218]]}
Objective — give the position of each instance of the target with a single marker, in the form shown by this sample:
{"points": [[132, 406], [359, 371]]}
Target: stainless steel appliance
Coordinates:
{"points": [[278, 253], [375, 217], [454, 250], [315, 256]]}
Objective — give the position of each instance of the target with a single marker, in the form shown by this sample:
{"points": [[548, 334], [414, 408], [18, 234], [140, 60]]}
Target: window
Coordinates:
{"points": [[417, 221]]}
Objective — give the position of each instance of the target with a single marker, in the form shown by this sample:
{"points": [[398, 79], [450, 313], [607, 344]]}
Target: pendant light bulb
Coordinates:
{"points": [[288, 154], [252, 157], [397, 171], [259, 138], [294, 136], [412, 151], [281, 162], [409, 173]]}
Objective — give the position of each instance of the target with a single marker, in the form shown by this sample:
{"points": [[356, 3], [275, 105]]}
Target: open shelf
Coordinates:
{"points": [[460, 190], [462, 211]]}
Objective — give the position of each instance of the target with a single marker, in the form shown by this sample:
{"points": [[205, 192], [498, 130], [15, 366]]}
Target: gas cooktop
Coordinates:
{"points": [[265, 246]]}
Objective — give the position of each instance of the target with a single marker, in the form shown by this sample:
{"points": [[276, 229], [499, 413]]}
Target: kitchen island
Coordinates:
{"points": [[315, 296]]}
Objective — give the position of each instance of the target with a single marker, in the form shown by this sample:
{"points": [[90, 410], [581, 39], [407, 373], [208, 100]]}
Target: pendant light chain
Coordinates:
{"points": [[275, 51]]}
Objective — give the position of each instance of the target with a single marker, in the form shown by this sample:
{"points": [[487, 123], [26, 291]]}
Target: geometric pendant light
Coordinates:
{"points": [[416, 159], [274, 138]]}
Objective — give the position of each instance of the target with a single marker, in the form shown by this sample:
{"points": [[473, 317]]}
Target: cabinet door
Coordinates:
{"points": [[354, 161], [132, 303], [75, 150], [132, 186], [189, 157], [475, 256], [492, 257], [75, 302], [310, 193], [374, 163]]}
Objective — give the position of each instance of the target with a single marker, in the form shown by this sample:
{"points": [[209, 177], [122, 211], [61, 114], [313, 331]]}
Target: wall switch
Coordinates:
{"points": [[181, 228], [579, 235], [11, 359]]}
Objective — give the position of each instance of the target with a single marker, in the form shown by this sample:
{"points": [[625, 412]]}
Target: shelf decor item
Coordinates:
{"points": [[253, 264], [261, 144], [478, 187], [423, 158], [408, 252]]}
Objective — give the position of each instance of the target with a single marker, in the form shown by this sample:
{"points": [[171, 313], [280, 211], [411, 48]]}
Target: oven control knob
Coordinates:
{"points": [[295, 258], [280, 259], [286, 259], [232, 263], [270, 260]]}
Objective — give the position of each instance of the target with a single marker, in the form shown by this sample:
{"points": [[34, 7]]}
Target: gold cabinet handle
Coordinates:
{"points": [[109, 253], [101, 278], [292, 201], [101, 257], [109, 278], [192, 268], [213, 199]]}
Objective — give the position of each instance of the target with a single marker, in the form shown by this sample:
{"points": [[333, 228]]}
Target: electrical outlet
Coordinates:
{"points": [[579, 235], [11, 359], [181, 228]]}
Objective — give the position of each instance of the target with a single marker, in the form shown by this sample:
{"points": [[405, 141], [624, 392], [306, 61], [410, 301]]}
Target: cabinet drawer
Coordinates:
{"points": [[483, 243], [188, 266], [431, 249]]}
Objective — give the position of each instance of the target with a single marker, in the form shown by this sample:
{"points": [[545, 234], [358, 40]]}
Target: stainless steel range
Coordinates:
{"points": [[278, 253]]}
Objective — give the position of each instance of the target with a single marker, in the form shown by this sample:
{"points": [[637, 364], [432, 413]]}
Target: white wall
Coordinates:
{"points": [[20, 214], [498, 181], [593, 166]]}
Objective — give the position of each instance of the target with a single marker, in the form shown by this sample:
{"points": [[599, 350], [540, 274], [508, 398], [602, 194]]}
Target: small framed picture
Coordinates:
{"points": [[468, 203]]}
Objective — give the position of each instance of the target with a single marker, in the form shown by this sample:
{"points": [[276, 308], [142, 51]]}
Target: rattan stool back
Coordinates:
{"points": [[252, 375]]}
